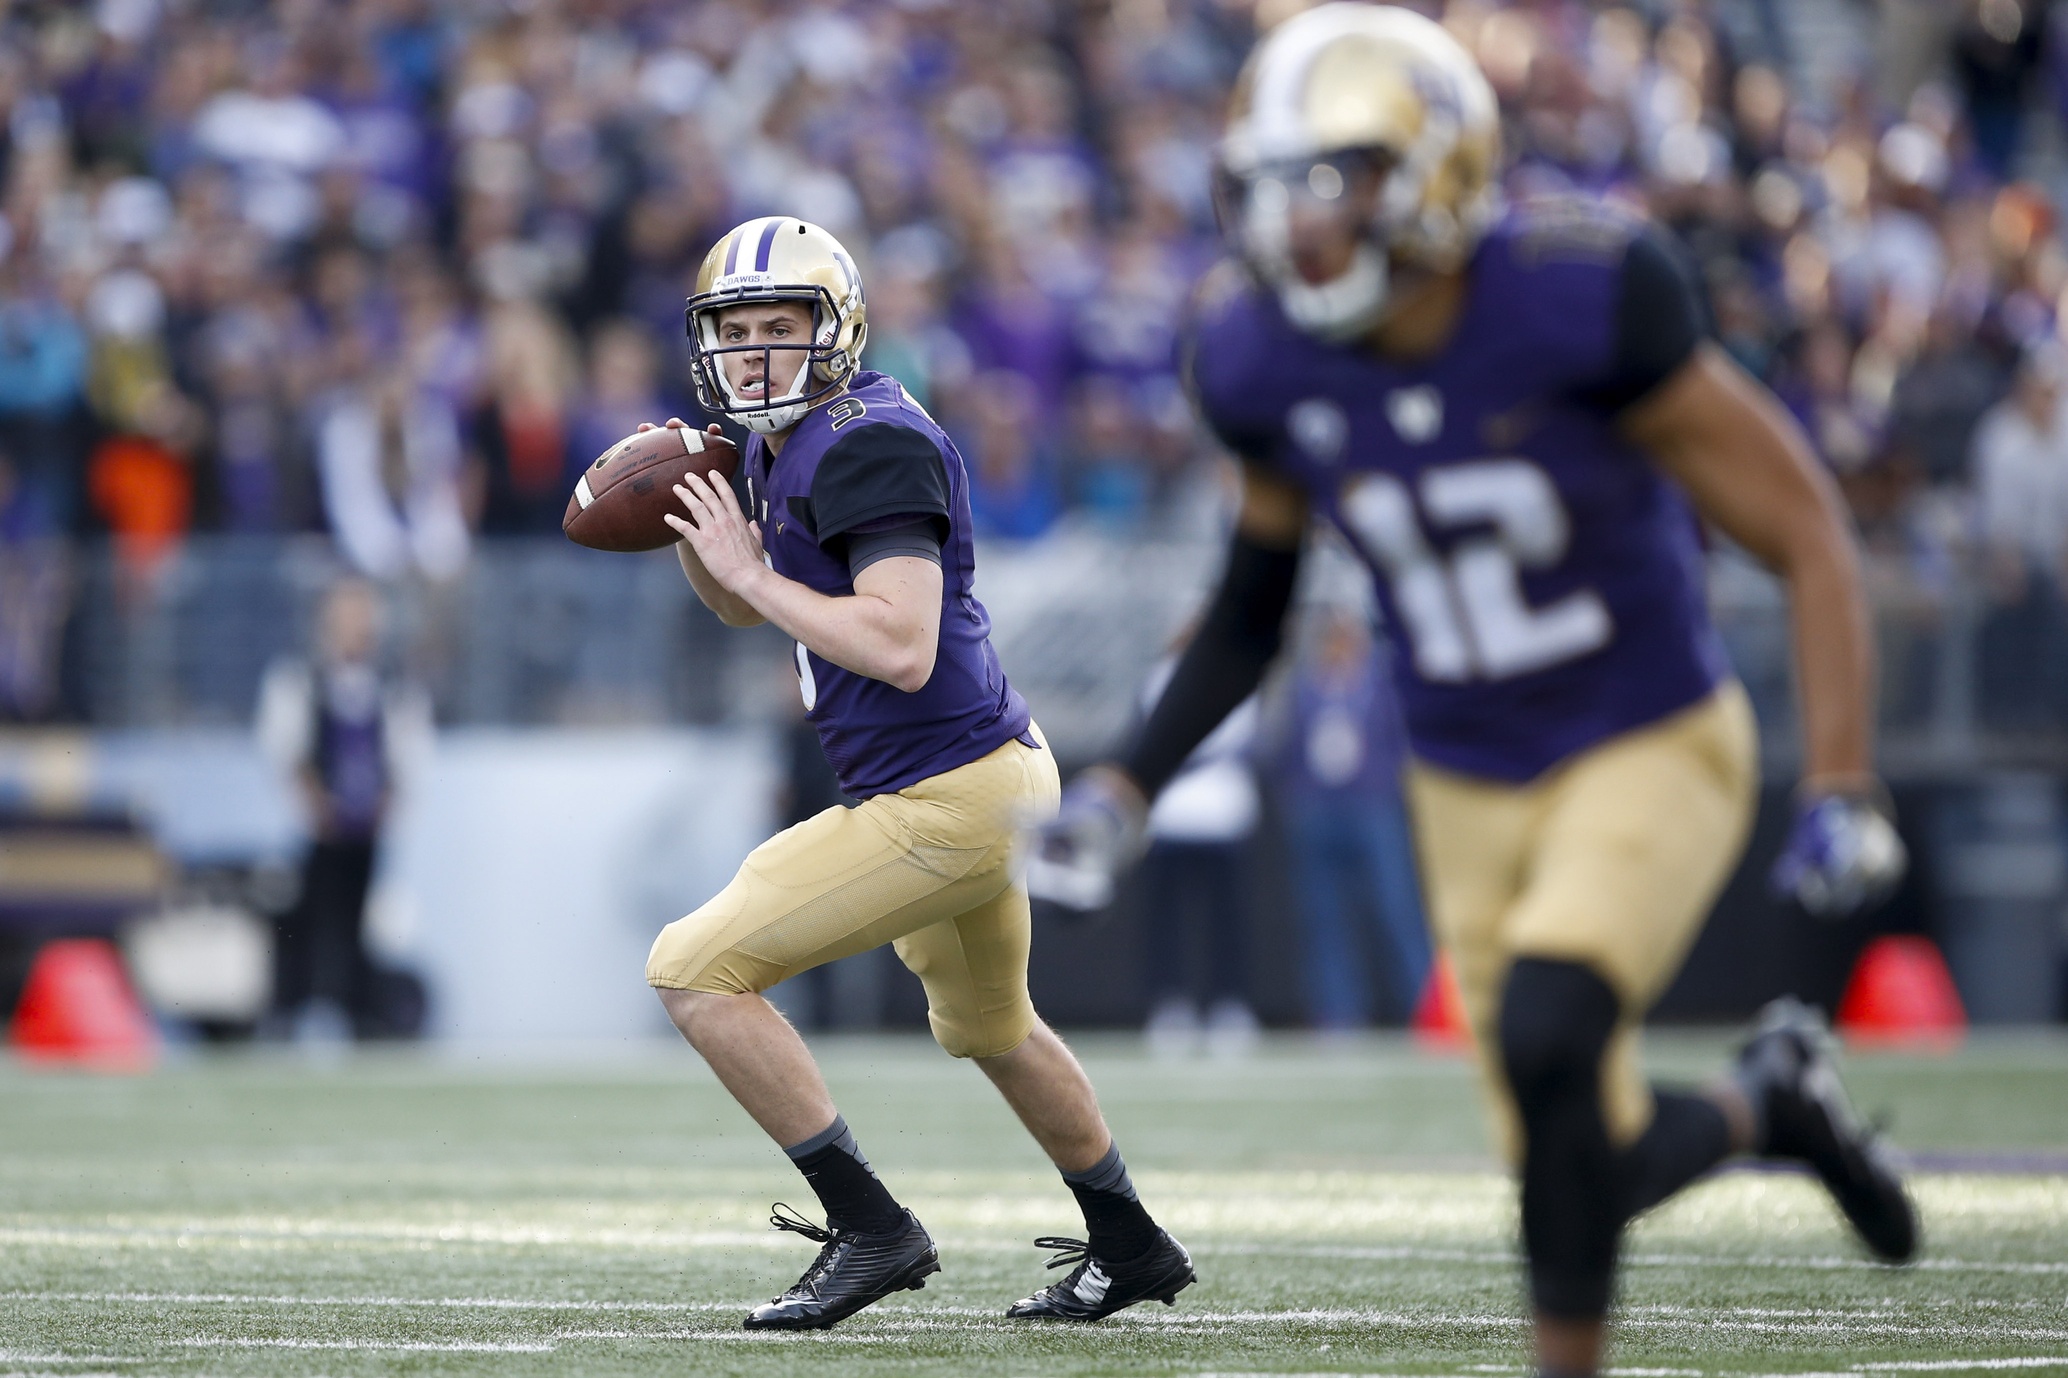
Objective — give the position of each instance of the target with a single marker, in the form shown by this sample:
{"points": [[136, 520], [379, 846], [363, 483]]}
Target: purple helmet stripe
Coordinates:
{"points": [[768, 234], [732, 252]]}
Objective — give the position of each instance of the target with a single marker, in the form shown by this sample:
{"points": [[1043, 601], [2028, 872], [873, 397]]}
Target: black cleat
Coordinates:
{"points": [[1098, 1287], [853, 1270], [1786, 1068]]}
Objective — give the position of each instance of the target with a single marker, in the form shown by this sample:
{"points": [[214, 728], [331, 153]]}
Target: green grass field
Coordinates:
{"points": [[604, 1214]]}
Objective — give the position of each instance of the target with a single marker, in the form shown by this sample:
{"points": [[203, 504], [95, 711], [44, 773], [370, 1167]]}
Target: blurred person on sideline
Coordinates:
{"points": [[1347, 827], [1196, 892], [2020, 464], [389, 459], [347, 733], [37, 583]]}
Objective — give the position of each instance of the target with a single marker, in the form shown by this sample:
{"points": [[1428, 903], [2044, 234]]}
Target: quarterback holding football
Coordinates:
{"points": [[1514, 416], [851, 532]]}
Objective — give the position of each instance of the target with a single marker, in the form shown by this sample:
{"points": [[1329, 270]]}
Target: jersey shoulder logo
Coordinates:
{"points": [[845, 410], [1318, 426], [1416, 413]]}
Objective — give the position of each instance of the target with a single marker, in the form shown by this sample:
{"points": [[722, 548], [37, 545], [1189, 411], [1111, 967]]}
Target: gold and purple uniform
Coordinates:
{"points": [[1584, 762], [947, 775]]}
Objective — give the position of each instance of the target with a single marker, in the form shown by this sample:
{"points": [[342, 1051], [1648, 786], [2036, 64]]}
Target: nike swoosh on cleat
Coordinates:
{"points": [[1091, 1288]]}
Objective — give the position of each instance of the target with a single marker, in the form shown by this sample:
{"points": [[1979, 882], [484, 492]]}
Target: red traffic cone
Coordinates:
{"points": [[1439, 1020], [1900, 993], [77, 1007]]}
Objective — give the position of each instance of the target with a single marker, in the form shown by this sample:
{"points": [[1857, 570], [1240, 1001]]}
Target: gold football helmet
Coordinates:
{"points": [[777, 258], [1370, 114]]}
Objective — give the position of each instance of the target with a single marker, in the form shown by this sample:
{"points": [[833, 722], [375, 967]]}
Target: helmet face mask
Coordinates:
{"points": [[776, 259], [1312, 229]]}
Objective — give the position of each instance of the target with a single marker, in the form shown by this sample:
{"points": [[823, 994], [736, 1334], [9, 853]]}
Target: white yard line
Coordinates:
{"points": [[731, 1336], [1873, 1367], [401, 1346], [445, 1303], [1957, 1365], [184, 1236], [1813, 1262]]}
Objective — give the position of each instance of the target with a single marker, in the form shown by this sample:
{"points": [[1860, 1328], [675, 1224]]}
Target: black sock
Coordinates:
{"points": [[1688, 1135], [847, 1186], [1556, 1022], [1115, 1225]]}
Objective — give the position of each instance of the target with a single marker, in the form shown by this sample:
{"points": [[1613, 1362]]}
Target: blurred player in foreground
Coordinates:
{"points": [[856, 541], [1515, 419]]}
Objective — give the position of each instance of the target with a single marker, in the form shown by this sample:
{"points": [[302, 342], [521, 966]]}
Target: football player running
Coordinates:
{"points": [[855, 539], [1515, 419]]}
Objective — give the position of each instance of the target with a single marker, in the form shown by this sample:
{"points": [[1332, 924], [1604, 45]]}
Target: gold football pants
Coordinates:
{"points": [[1611, 860], [927, 869]]}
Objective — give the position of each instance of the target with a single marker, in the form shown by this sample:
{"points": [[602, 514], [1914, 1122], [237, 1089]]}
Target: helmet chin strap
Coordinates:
{"points": [[1345, 306]]}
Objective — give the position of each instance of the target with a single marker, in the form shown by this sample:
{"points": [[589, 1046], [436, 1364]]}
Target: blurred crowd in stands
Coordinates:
{"points": [[396, 269]]}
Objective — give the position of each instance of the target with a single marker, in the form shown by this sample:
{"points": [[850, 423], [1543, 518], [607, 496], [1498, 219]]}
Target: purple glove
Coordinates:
{"points": [[1842, 856]]}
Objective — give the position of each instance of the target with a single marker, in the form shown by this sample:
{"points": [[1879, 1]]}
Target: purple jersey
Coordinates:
{"points": [[869, 455], [1544, 580]]}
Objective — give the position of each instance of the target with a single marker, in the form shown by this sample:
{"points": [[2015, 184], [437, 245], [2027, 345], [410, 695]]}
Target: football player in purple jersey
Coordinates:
{"points": [[1515, 418], [851, 532]]}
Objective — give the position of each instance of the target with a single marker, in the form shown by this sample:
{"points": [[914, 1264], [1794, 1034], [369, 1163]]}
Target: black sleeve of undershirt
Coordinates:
{"points": [[892, 536], [1661, 316], [1238, 637], [877, 471]]}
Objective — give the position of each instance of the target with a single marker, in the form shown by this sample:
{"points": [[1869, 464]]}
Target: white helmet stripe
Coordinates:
{"points": [[1277, 123], [752, 231]]}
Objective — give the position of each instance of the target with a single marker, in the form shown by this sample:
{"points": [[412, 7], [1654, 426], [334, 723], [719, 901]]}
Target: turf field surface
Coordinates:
{"points": [[604, 1213]]}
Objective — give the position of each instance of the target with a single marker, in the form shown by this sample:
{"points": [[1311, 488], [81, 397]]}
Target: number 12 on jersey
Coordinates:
{"points": [[1465, 613]]}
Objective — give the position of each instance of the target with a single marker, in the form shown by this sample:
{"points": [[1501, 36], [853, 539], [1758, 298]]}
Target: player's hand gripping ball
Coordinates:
{"points": [[1843, 856], [621, 501]]}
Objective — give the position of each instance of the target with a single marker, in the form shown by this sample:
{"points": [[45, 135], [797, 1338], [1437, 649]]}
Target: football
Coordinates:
{"points": [[619, 500]]}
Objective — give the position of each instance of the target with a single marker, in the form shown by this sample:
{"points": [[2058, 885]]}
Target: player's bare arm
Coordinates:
{"points": [[889, 630], [1749, 469], [1273, 512]]}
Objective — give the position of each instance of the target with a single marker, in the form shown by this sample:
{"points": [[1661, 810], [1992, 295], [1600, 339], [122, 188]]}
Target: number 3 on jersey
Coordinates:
{"points": [[1465, 613]]}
